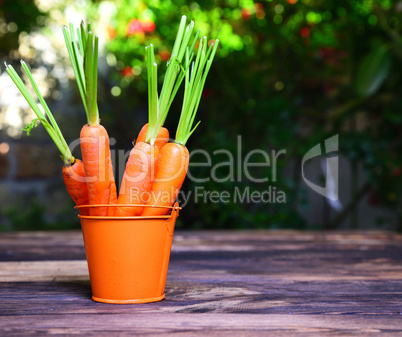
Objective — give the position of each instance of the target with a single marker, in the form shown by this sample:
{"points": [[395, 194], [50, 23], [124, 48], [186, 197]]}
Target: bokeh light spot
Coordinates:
{"points": [[12, 27], [312, 17], [258, 7], [115, 91], [260, 15], [279, 86], [279, 9], [137, 70], [111, 60], [4, 148]]}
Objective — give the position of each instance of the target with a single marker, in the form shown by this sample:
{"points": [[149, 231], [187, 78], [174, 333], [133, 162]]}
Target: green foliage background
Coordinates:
{"points": [[288, 75]]}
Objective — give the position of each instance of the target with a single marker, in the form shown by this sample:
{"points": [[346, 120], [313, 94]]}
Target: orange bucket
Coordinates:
{"points": [[128, 257]]}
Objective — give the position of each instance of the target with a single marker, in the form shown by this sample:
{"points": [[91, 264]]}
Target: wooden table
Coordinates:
{"points": [[279, 283]]}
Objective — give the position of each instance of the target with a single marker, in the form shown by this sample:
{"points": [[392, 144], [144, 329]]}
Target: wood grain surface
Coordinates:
{"points": [[276, 283]]}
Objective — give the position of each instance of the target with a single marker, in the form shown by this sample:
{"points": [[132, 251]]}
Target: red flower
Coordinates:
{"points": [[164, 55], [258, 7], [305, 32], [134, 27], [245, 14], [148, 26], [127, 71]]}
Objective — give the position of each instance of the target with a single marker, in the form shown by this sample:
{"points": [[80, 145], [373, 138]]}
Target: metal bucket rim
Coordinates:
{"points": [[175, 209]]}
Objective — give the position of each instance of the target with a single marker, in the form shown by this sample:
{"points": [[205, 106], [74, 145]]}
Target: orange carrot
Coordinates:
{"points": [[94, 139], [75, 181], [113, 197], [170, 174], [137, 178], [174, 157], [73, 169], [161, 139], [95, 151], [139, 172]]}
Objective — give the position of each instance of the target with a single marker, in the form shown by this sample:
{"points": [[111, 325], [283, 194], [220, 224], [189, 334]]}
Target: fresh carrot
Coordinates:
{"points": [[75, 181], [161, 139], [174, 157], [73, 169], [137, 179], [94, 139], [139, 172], [113, 197], [138, 175], [170, 174], [95, 152]]}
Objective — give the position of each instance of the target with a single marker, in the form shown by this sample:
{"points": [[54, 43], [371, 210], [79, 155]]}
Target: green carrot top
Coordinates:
{"points": [[194, 83], [159, 105], [82, 46], [46, 119]]}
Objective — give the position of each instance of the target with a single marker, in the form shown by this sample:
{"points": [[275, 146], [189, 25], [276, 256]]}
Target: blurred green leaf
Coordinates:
{"points": [[373, 71]]}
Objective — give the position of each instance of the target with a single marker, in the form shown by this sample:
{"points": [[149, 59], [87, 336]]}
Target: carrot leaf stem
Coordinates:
{"points": [[82, 47], [179, 36], [44, 104], [52, 127], [75, 63], [182, 73], [195, 78], [159, 105], [174, 65], [153, 111]]}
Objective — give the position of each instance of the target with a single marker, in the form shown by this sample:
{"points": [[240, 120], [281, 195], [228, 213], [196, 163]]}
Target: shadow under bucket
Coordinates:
{"points": [[128, 257]]}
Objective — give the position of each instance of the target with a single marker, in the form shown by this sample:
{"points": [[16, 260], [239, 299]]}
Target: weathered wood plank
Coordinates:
{"points": [[275, 297], [34, 271], [219, 283], [201, 325], [36, 246], [68, 245]]}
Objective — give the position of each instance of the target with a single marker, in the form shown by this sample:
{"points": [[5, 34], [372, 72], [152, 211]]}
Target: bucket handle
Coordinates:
{"points": [[173, 216]]}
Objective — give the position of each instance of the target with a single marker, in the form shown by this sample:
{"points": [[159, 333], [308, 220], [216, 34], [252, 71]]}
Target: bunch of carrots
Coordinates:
{"points": [[156, 167]]}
